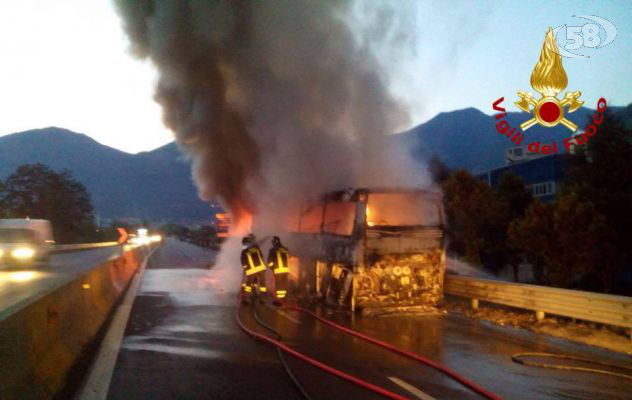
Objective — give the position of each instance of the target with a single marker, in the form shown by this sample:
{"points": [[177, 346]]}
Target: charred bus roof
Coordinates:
{"points": [[358, 194]]}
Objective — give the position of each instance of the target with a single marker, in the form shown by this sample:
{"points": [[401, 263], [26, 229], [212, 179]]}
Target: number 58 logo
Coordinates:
{"points": [[587, 36]]}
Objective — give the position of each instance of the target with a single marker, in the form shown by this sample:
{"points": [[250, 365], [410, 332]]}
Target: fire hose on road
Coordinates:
{"points": [[519, 358], [374, 388], [280, 354], [445, 370], [331, 370]]}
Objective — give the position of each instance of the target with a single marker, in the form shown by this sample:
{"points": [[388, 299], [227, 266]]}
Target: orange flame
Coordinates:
{"points": [[243, 222], [369, 222], [548, 76]]}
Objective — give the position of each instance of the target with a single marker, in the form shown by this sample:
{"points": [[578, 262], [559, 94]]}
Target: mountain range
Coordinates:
{"points": [[157, 184], [148, 185], [468, 138]]}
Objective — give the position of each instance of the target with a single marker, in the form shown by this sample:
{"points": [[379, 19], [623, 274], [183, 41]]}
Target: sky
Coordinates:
{"points": [[66, 63]]}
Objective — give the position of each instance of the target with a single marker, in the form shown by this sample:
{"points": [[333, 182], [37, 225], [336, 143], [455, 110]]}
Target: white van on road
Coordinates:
{"points": [[25, 241]]}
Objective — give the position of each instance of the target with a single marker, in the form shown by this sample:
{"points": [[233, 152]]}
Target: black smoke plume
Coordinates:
{"points": [[273, 100]]}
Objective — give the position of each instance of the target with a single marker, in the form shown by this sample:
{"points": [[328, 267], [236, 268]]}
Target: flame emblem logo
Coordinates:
{"points": [[549, 79]]}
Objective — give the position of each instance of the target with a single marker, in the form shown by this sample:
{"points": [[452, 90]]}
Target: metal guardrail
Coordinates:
{"points": [[64, 248], [594, 307]]}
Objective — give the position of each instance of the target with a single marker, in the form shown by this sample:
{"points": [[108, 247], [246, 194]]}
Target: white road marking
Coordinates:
{"points": [[288, 316], [411, 388], [97, 384]]}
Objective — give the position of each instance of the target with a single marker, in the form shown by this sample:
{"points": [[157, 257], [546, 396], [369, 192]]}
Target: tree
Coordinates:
{"points": [[580, 229], [474, 218], [36, 191], [515, 198], [562, 240], [581, 240], [602, 176], [512, 191], [534, 237]]}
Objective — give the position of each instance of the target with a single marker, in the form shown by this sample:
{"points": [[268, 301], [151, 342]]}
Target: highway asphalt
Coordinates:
{"points": [[20, 286], [182, 342]]}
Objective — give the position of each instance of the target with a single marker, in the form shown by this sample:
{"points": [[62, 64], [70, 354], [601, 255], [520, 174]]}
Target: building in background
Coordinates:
{"points": [[519, 154], [542, 175]]}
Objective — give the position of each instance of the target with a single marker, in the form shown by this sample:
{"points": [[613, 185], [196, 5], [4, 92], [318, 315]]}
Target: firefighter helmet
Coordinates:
{"points": [[276, 241]]}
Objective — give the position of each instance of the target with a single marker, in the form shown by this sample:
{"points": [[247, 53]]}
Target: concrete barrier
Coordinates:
{"points": [[66, 248], [40, 343]]}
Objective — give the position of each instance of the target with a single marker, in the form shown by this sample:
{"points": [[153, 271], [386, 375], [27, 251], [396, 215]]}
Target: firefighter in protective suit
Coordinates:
{"points": [[254, 268], [278, 262]]}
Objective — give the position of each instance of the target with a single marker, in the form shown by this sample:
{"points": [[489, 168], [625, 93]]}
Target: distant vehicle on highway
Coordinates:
{"points": [[25, 241], [142, 237]]}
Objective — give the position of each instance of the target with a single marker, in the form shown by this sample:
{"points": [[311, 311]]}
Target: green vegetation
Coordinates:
{"points": [[473, 218], [603, 179], [37, 192], [580, 240]]}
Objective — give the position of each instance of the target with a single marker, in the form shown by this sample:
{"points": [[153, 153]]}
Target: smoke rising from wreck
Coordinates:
{"points": [[274, 101]]}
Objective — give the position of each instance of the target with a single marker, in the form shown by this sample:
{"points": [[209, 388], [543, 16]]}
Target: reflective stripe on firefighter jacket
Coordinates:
{"points": [[252, 260], [278, 260]]}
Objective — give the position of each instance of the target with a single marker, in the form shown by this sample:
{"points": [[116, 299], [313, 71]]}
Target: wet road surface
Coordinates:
{"points": [[182, 342], [477, 350], [20, 286]]}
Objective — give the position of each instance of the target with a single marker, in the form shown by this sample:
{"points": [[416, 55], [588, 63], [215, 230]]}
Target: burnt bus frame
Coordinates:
{"points": [[350, 251]]}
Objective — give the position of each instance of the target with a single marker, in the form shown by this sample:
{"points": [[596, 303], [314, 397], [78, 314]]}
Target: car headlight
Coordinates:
{"points": [[1, 253], [23, 253]]}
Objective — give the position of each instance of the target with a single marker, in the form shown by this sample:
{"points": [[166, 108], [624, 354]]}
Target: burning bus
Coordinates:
{"points": [[222, 225], [370, 249]]}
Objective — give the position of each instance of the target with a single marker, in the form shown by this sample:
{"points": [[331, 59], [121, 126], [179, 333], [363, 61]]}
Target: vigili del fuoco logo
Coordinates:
{"points": [[548, 79]]}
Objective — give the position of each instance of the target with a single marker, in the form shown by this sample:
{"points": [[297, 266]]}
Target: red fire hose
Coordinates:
{"points": [[452, 374], [331, 370], [360, 382]]}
